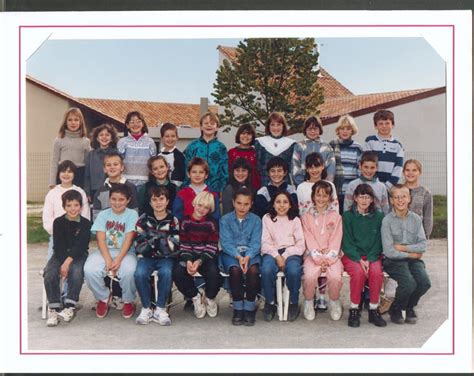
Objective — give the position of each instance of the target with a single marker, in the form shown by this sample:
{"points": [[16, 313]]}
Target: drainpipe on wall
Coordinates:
{"points": [[203, 106]]}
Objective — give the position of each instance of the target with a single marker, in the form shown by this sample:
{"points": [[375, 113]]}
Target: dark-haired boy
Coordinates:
{"points": [[277, 170], [71, 235], [175, 158]]}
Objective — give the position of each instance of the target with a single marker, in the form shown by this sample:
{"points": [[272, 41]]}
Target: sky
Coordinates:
{"points": [[184, 70]]}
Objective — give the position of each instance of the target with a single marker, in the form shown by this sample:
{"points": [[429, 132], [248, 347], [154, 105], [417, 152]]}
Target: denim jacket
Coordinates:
{"points": [[240, 238]]}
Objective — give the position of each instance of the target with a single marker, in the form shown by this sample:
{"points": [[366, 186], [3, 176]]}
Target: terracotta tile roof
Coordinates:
{"points": [[357, 105], [155, 113], [332, 87]]}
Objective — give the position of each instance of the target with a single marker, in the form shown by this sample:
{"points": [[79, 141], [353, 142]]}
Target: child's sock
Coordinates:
{"points": [[373, 305], [354, 305]]}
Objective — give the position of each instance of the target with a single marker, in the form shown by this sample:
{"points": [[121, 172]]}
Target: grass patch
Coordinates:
{"points": [[440, 217], [35, 232]]}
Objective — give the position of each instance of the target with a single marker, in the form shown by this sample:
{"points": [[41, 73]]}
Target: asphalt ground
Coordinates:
{"points": [[88, 333]]}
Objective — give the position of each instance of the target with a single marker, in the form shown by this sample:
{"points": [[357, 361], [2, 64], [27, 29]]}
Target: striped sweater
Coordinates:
{"points": [[391, 154], [347, 155], [135, 157], [198, 239]]}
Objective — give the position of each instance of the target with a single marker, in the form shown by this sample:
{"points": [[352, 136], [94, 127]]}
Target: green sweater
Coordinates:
{"points": [[362, 235]]}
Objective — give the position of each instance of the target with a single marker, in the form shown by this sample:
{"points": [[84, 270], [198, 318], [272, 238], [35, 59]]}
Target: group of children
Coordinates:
{"points": [[281, 211]]}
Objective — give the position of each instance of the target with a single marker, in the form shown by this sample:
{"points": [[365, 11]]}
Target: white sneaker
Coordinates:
{"points": [[161, 317], [117, 303], [52, 318], [199, 307], [67, 314], [211, 307], [308, 310], [335, 309], [144, 317]]}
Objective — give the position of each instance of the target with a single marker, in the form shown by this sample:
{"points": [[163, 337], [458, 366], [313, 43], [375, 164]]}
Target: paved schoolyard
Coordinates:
{"points": [[86, 332]]}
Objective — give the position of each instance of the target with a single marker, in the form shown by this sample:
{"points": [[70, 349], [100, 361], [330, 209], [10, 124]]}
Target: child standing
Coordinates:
{"points": [[115, 230], [277, 170], [159, 169], [347, 153], [421, 199], [240, 234], [368, 169], [282, 249], [198, 171], [404, 243], [104, 140], [245, 137], [240, 173], [312, 130], [389, 151], [157, 242], [198, 252], [53, 205], [71, 241], [273, 144], [322, 229], [136, 147], [169, 137], [362, 247], [71, 144], [212, 151], [113, 168], [315, 171]]}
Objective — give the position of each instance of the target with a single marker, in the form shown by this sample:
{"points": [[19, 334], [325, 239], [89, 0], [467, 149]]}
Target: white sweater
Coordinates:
{"points": [[53, 206]]}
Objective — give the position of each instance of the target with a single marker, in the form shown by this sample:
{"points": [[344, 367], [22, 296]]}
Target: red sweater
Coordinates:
{"points": [[251, 156]]}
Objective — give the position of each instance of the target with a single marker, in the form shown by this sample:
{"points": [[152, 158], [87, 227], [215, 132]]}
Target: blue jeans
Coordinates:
{"points": [[94, 271], [292, 274], [145, 267]]}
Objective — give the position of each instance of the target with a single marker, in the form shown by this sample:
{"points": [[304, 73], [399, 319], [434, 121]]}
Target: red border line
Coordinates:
{"points": [[228, 26]]}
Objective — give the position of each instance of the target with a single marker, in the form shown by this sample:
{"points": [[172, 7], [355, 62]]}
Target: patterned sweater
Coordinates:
{"points": [[157, 237], [347, 154], [391, 154], [136, 154], [215, 153], [71, 147], [198, 239], [302, 150]]}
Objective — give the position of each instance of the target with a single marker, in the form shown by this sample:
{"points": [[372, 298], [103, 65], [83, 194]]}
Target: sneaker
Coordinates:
{"points": [[308, 310], [335, 309], [52, 318], [238, 317], [249, 318], [211, 307], [161, 317], [128, 310], [354, 318], [101, 309], [67, 314], [321, 304], [269, 311], [396, 316], [199, 307], [376, 319], [293, 311], [144, 317], [117, 303], [410, 316]]}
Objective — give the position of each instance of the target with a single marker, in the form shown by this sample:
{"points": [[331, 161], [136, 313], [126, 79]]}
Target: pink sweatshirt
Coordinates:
{"points": [[323, 231], [53, 206], [282, 234]]}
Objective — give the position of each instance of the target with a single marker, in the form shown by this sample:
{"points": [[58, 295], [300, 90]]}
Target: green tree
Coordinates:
{"points": [[269, 74]]}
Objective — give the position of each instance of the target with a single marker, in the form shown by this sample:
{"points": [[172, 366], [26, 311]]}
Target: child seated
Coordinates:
{"points": [[157, 242], [240, 235], [198, 252], [322, 229], [113, 168], [404, 243], [362, 247], [368, 169], [198, 171], [115, 230], [277, 170], [71, 235], [282, 250]]}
